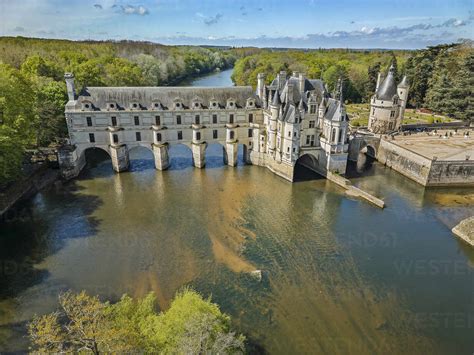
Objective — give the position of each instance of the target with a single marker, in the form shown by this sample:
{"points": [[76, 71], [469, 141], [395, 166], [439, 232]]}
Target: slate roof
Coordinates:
{"points": [[166, 96], [334, 111], [388, 88]]}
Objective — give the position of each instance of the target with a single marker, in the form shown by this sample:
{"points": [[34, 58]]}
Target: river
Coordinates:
{"points": [[339, 275]]}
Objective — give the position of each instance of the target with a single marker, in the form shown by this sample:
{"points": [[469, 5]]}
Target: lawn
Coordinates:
{"points": [[359, 116]]}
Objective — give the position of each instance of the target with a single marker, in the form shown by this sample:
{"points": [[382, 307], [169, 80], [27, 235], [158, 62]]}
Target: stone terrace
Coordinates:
{"points": [[452, 148]]}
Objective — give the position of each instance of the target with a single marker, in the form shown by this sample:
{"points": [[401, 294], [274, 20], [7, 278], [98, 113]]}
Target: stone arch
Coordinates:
{"points": [[95, 161], [141, 157], [367, 155], [243, 153], [180, 156], [215, 154], [307, 167]]}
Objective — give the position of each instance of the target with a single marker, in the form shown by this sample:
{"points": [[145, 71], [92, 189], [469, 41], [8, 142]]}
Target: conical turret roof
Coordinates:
{"points": [[388, 88], [404, 82], [276, 99]]}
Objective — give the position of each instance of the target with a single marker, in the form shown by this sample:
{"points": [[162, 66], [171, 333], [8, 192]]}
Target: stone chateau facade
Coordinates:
{"points": [[292, 120]]}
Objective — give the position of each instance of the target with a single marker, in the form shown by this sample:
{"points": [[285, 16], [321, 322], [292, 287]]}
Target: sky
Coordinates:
{"points": [[404, 24]]}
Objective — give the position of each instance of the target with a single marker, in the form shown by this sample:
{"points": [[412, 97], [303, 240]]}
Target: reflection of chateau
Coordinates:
{"points": [[294, 119], [387, 106]]}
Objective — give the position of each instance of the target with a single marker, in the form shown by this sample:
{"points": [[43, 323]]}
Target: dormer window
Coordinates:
{"points": [[213, 104], [134, 105], [111, 106], [230, 104], [250, 103], [178, 105], [86, 105], [395, 100]]}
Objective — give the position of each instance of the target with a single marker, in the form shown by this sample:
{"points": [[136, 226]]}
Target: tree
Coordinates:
{"points": [[372, 72], [461, 93], [84, 324]]}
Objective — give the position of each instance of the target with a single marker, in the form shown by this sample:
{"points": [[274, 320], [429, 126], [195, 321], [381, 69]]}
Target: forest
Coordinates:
{"points": [[33, 92]]}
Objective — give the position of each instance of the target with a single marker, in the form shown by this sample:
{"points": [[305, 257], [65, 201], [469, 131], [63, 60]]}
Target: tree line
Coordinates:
{"points": [[441, 77]]}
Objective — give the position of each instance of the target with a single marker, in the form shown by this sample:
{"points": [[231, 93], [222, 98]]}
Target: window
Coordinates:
{"points": [[395, 100], [250, 117], [86, 105], [311, 124], [294, 150], [307, 139], [288, 149], [392, 114], [135, 105], [138, 136], [214, 134], [333, 135], [390, 125], [310, 140], [197, 119], [289, 133], [137, 120], [294, 134], [180, 135], [196, 104], [114, 121], [178, 119], [214, 118], [198, 136], [111, 105], [312, 109], [231, 118], [89, 121], [115, 138], [231, 135], [373, 111], [158, 137], [157, 120], [91, 138], [250, 132], [340, 136]]}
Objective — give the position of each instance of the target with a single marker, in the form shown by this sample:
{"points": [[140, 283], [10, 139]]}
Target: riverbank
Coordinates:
{"points": [[40, 176]]}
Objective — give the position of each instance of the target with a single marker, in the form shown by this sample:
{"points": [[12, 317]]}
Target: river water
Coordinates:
{"points": [[339, 275]]}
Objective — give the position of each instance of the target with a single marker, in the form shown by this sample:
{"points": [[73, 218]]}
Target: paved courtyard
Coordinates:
{"points": [[455, 147]]}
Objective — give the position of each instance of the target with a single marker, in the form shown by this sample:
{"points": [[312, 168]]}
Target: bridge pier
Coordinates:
{"points": [[199, 154], [120, 159], [70, 161], [160, 152], [230, 153]]}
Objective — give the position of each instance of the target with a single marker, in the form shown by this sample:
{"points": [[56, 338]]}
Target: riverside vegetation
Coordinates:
{"points": [[33, 93], [192, 325]]}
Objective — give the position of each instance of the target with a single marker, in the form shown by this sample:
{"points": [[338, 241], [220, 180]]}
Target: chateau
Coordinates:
{"points": [[292, 120]]}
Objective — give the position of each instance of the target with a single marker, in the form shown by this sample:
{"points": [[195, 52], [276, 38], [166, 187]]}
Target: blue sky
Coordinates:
{"points": [[269, 23]]}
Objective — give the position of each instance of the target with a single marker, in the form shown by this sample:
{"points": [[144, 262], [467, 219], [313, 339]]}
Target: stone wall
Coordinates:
{"points": [[410, 164], [425, 171], [447, 172]]}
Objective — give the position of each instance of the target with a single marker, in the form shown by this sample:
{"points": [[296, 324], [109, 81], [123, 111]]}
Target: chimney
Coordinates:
{"points": [[290, 94], [301, 84], [71, 91], [281, 79], [261, 85]]}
